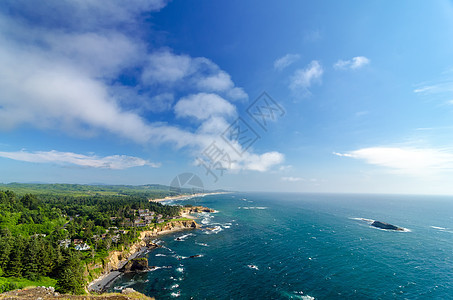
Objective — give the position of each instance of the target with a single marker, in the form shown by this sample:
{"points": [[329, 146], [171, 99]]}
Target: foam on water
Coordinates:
{"points": [[252, 207], [440, 228]]}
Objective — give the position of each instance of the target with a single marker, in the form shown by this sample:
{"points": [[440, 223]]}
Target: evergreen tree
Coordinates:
{"points": [[70, 277], [15, 263], [5, 246], [30, 259]]}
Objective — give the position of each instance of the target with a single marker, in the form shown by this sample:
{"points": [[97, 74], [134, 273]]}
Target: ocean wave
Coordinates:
{"points": [[182, 238], [176, 294], [297, 295], [215, 230], [179, 257], [252, 207], [439, 228], [160, 254], [202, 244], [363, 219], [403, 229]]}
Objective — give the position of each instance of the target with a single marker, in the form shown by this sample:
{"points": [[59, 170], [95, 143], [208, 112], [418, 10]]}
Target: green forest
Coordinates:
{"points": [[39, 231]]}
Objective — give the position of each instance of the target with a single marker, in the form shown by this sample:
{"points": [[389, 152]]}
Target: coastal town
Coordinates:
{"points": [[80, 242], [143, 218]]}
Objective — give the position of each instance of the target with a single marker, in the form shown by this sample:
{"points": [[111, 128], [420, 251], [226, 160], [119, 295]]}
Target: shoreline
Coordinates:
{"points": [[100, 284], [187, 197]]}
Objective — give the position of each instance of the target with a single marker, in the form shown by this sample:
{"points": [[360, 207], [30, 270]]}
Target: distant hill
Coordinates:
{"points": [[148, 190]]}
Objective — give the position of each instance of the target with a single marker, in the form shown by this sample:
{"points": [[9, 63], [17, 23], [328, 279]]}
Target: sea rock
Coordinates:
{"points": [[387, 226], [136, 264]]}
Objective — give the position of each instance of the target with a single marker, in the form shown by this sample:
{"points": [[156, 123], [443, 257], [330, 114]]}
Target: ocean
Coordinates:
{"points": [[305, 246]]}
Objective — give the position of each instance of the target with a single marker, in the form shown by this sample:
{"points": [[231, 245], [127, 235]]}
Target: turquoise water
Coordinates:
{"points": [[305, 246]]}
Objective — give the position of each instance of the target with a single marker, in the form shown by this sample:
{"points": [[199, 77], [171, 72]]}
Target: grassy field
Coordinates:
{"points": [[23, 282]]}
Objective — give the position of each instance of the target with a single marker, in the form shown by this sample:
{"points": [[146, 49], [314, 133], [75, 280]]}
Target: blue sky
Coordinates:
{"points": [[136, 93]]}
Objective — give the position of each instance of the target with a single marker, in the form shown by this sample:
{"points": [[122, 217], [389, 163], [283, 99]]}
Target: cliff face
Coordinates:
{"points": [[117, 259]]}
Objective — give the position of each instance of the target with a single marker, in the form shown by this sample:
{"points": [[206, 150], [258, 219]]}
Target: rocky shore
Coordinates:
{"points": [[117, 260]]}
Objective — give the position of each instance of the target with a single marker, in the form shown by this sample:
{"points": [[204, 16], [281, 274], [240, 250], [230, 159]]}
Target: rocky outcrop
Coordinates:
{"points": [[48, 293], [136, 265], [176, 225], [387, 226], [196, 209]]}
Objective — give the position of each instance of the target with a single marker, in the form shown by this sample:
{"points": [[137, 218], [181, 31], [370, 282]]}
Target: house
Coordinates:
{"points": [[77, 241], [38, 235], [160, 221], [139, 223], [82, 247], [159, 216], [65, 243], [116, 238]]}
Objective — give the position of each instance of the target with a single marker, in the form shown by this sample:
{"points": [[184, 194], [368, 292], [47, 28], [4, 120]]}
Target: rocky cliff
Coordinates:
{"points": [[196, 209], [118, 259]]}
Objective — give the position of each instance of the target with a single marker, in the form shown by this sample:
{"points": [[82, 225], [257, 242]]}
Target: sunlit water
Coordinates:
{"points": [[305, 246]]}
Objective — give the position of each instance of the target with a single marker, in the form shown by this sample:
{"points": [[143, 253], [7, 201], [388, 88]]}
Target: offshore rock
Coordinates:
{"points": [[387, 226], [136, 265]]}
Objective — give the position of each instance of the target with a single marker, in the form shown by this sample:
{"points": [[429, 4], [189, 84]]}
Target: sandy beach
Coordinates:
{"points": [[186, 197]]}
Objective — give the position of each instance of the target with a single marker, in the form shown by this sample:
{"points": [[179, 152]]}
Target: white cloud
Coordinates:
{"points": [[216, 82], [355, 63], [66, 78], [293, 179], [165, 67], [285, 61], [116, 162], [203, 106], [436, 88], [415, 161], [84, 15], [256, 162], [342, 154], [304, 78], [179, 71]]}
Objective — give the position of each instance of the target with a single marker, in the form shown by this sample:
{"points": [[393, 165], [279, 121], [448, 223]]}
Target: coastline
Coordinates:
{"points": [[186, 197], [101, 283], [144, 244]]}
